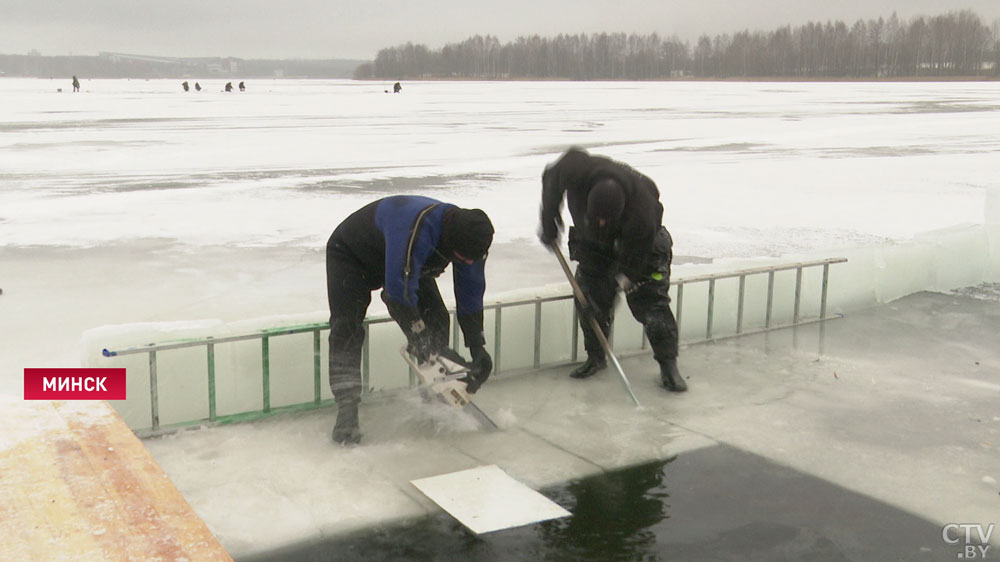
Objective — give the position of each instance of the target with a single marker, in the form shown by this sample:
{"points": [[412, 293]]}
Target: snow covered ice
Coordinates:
{"points": [[133, 201]]}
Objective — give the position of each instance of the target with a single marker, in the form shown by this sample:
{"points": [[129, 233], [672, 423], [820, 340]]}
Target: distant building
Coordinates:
{"points": [[231, 65], [123, 57]]}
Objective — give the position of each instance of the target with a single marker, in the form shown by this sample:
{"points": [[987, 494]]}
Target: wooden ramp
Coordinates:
{"points": [[76, 484]]}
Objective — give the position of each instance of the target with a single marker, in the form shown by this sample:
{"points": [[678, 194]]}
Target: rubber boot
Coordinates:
{"points": [[671, 377], [590, 367], [346, 430]]}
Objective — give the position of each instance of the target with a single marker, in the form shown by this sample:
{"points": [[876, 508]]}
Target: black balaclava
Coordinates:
{"points": [[468, 232], [605, 202]]}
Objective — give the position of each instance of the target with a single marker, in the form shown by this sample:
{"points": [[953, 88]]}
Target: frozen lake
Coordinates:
{"points": [[133, 201]]}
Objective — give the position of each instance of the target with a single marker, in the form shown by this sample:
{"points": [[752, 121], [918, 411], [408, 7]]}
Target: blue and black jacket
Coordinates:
{"points": [[395, 241]]}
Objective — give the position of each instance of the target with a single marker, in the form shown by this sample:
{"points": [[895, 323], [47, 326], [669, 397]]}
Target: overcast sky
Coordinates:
{"points": [[358, 28]]}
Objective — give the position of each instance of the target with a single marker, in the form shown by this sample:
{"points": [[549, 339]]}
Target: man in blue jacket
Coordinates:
{"points": [[401, 244]]}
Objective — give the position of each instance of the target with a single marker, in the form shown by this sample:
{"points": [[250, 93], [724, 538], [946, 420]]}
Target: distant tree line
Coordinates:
{"points": [[38, 66], [953, 44]]}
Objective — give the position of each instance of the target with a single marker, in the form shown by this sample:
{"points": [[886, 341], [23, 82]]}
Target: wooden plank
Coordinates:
{"points": [[76, 484]]}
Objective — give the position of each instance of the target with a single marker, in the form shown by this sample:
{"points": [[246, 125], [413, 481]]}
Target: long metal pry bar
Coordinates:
{"points": [[588, 312]]}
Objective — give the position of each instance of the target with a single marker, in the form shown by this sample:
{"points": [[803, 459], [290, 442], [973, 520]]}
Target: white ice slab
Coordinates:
{"points": [[486, 499]]}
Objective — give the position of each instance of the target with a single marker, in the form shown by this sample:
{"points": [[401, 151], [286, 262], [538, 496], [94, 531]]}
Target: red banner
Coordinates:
{"points": [[74, 384]]}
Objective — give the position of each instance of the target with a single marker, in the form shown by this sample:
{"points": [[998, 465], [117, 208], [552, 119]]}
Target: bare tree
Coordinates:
{"points": [[957, 43]]}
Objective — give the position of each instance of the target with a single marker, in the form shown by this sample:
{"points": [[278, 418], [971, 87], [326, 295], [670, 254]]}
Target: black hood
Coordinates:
{"points": [[468, 232]]}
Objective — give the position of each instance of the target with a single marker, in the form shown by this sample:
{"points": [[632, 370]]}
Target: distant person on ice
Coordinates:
{"points": [[184, 85], [401, 244], [229, 86], [396, 88], [618, 241], [243, 87], [197, 86], [76, 84]]}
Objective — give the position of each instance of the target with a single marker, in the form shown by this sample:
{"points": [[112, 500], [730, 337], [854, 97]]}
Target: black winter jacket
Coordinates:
{"points": [[575, 173]]}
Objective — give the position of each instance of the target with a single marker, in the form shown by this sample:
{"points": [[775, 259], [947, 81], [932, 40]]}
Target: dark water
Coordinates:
{"points": [[715, 504]]}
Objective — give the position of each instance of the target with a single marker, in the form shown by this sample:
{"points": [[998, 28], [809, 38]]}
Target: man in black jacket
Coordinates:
{"points": [[618, 241], [402, 244]]}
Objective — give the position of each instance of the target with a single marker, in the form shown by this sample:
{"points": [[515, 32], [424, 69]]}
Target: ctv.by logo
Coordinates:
{"points": [[975, 537]]}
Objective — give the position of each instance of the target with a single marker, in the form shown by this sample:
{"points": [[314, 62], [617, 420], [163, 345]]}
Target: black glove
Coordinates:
{"points": [[548, 231], [479, 371], [420, 344]]}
